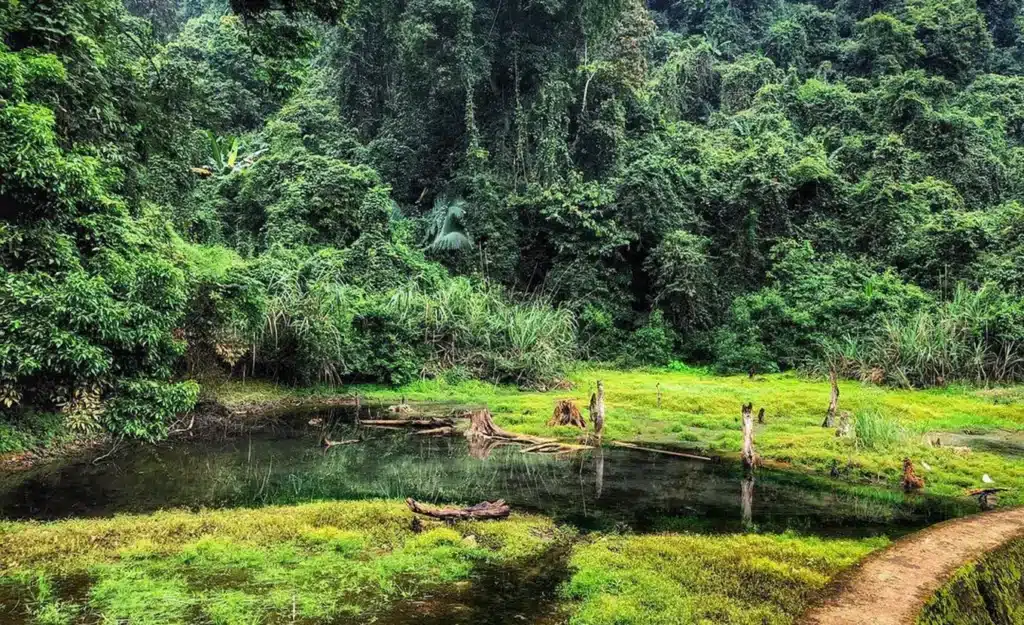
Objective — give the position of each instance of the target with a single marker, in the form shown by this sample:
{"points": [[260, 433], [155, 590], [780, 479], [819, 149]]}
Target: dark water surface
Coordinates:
{"points": [[602, 489]]}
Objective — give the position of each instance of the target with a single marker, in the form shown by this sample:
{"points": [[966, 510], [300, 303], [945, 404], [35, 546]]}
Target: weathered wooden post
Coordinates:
{"points": [[833, 402], [748, 453], [597, 409]]}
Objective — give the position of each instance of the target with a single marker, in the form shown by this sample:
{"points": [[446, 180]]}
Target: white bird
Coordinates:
{"points": [[927, 467], [985, 478]]}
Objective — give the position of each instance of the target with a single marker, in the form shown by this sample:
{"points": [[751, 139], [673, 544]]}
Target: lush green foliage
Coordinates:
{"points": [[200, 186]]}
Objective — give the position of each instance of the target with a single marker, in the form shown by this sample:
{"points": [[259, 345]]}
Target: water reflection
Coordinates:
{"points": [[602, 489]]}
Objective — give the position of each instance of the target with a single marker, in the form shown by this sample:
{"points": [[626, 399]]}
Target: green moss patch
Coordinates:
{"points": [[308, 563]]}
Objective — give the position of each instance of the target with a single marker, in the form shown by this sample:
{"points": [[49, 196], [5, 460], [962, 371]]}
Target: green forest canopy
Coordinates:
{"points": [[334, 190]]}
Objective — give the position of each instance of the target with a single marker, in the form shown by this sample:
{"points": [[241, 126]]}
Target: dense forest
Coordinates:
{"points": [[353, 190]]}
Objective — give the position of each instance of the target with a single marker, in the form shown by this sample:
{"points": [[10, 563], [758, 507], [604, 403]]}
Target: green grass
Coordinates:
{"points": [[692, 578], [702, 410], [315, 561]]}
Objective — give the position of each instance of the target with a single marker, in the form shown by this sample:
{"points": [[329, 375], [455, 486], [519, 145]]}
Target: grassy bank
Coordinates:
{"points": [[691, 578], [308, 563], [700, 410], [988, 591]]}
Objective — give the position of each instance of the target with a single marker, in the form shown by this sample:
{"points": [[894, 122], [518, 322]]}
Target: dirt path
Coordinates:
{"points": [[890, 588]]}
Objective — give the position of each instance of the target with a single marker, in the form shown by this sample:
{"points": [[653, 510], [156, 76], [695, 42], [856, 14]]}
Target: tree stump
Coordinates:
{"points": [[833, 401], [482, 424], [750, 459], [911, 480], [566, 413], [597, 409], [760, 416]]}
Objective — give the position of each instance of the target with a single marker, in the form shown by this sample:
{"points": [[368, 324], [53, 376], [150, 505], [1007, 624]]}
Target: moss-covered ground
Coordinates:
{"points": [[355, 561], [308, 563], [990, 590]]}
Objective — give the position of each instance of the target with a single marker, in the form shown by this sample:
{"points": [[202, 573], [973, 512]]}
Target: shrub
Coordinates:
{"points": [[877, 431]]}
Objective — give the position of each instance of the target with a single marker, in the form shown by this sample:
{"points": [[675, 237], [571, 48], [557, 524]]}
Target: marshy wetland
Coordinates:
{"points": [[261, 524]]}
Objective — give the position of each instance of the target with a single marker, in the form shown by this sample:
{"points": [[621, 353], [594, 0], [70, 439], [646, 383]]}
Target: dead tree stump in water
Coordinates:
{"points": [[911, 480], [566, 413], [833, 401], [597, 409], [750, 459], [482, 424]]}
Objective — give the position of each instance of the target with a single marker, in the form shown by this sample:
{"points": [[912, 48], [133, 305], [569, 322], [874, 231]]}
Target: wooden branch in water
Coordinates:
{"points": [[481, 511], [411, 423], [327, 443], [443, 430], [677, 454]]}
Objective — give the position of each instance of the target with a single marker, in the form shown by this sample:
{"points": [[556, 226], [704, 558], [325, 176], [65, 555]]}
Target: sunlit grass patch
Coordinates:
{"points": [[314, 562], [679, 579]]}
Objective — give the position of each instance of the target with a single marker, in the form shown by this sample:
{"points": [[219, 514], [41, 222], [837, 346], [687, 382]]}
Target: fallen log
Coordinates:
{"points": [[987, 497], [441, 431], [327, 443], [481, 511], [677, 454]]}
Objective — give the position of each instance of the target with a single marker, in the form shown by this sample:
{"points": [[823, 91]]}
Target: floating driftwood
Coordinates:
{"points": [[481, 511], [444, 430], [677, 454], [566, 413], [408, 423], [326, 443]]}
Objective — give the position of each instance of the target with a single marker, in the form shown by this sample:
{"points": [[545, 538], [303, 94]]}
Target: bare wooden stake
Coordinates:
{"points": [[750, 459], [833, 402], [597, 409]]}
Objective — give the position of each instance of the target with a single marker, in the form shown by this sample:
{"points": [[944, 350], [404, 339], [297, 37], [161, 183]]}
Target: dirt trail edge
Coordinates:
{"points": [[891, 587]]}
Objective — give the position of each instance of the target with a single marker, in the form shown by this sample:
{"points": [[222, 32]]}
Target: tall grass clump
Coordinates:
{"points": [[309, 319], [877, 431], [976, 337]]}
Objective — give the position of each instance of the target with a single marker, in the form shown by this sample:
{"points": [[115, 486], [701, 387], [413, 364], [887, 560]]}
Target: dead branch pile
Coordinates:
{"points": [[481, 511]]}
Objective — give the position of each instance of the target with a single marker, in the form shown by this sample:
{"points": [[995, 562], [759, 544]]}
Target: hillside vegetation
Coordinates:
{"points": [[327, 191]]}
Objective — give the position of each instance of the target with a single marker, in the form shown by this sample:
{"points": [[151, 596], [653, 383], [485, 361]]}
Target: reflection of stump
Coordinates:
{"points": [[566, 413], [911, 480], [833, 400], [480, 447], [750, 459], [599, 471], [747, 500]]}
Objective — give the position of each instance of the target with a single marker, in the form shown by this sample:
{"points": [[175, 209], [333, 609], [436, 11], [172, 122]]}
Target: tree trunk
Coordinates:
{"points": [[833, 402], [749, 455]]}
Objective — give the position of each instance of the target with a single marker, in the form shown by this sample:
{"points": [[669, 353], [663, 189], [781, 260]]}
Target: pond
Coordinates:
{"points": [[610, 489]]}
